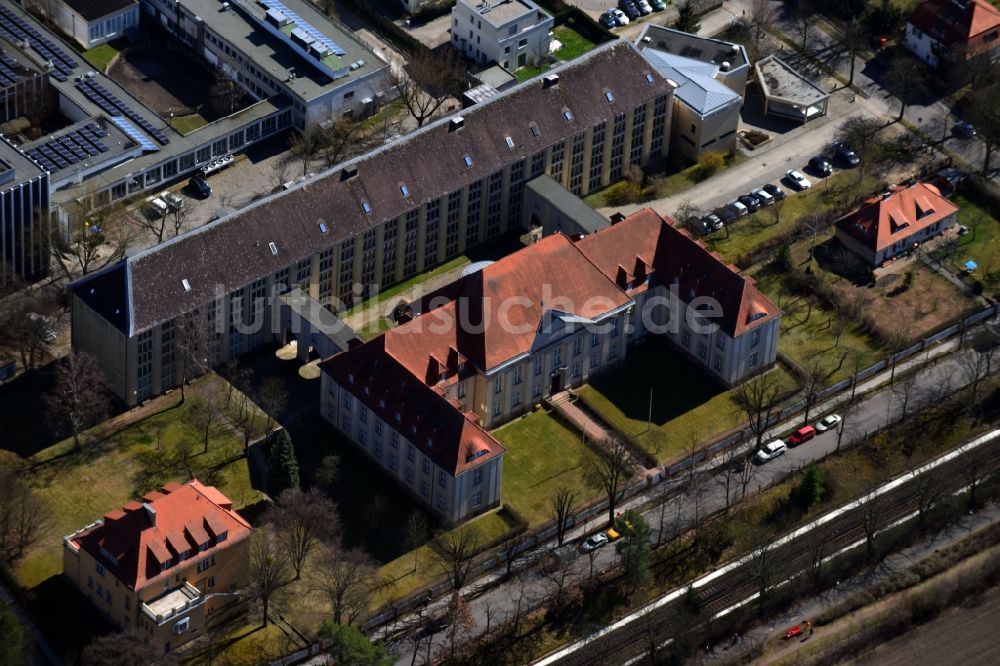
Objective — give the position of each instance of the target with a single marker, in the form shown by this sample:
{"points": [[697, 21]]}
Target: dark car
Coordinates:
{"points": [[608, 21], [846, 155], [751, 202], [964, 130], [630, 9], [727, 215], [658, 5], [713, 222], [820, 166], [774, 191], [200, 186]]}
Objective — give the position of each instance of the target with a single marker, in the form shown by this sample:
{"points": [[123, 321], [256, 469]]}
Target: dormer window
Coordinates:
{"points": [[510, 142], [608, 95], [323, 229], [468, 160], [381, 403], [404, 189], [186, 284], [222, 537], [649, 77], [164, 565], [568, 115], [430, 443], [273, 248], [350, 378], [367, 207]]}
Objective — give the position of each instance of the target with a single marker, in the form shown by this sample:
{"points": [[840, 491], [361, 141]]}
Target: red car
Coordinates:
{"points": [[803, 434], [793, 632]]}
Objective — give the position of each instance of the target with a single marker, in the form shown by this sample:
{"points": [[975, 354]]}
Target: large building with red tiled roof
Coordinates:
{"points": [[419, 399], [893, 223], [159, 566], [941, 30]]}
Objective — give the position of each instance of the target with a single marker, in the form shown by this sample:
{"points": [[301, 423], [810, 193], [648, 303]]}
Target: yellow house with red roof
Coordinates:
{"points": [[160, 566]]}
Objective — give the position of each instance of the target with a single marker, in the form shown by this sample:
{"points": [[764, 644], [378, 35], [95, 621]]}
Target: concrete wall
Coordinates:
{"points": [[94, 33], [513, 44]]}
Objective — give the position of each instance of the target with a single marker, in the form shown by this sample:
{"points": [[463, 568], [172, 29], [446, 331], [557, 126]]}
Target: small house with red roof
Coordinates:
{"points": [[420, 398], [939, 30], [894, 222], [159, 566]]}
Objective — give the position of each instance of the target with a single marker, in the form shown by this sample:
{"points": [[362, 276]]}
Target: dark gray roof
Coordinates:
{"points": [[696, 47], [232, 252], [568, 203], [95, 9]]}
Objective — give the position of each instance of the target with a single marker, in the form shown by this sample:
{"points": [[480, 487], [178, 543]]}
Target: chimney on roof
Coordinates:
{"points": [[550, 81], [151, 512], [348, 172], [616, 218], [456, 123], [640, 269], [433, 371], [621, 279]]}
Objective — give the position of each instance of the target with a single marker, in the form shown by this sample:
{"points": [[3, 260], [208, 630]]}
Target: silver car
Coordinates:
{"points": [[771, 451]]}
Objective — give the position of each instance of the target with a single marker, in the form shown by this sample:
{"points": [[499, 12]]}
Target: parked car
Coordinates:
{"points": [[630, 9], [613, 534], [594, 542], [608, 21], [658, 5], [820, 166], [771, 451], [803, 434], [619, 16], [797, 180], [713, 222], [828, 422], [173, 201], [200, 187], [964, 130], [762, 196], [774, 191], [726, 215], [738, 208], [846, 155], [155, 207], [750, 201], [643, 7]]}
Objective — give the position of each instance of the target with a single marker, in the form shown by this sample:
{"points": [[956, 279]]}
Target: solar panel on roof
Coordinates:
{"points": [[133, 133], [12, 25], [304, 25]]}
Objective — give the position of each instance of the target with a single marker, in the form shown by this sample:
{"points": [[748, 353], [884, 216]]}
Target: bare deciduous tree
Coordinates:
{"points": [[416, 533], [510, 549], [460, 621], [192, 337], [348, 579], [80, 397], [758, 397], [762, 18], [97, 236], [206, 412], [561, 508], [426, 82], [24, 517], [455, 552], [268, 570], [272, 396], [609, 470], [302, 520]]}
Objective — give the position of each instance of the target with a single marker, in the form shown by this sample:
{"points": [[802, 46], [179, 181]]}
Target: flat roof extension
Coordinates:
{"points": [[780, 81]]}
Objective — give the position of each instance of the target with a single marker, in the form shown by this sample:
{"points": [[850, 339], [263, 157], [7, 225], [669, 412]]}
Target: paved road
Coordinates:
{"points": [[528, 589]]}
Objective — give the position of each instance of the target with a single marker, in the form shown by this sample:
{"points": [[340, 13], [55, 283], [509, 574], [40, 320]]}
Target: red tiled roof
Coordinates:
{"points": [[188, 515], [647, 244], [952, 23], [388, 389], [886, 219], [552, 274]]}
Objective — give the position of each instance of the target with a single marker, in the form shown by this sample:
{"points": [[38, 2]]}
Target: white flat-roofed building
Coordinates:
{"points": [[94, 22], [513, 33], [787, 93]]}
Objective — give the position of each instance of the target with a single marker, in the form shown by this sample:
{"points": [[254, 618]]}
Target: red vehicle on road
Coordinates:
{"points": [[793, 632], [803, 434]]}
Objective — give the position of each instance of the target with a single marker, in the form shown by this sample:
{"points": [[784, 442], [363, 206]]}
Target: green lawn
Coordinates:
{"points": [[373, 329], [101, 56], [527, 72], [574, 44], [746, 234], [810, 335], [658, 187], [542, 455], [81, 486], [188, 124], [687, 404], [981, 244], [397, 289]]}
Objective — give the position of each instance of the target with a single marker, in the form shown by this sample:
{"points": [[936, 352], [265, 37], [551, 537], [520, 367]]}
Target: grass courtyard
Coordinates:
{"points": [[686, 404], [398, 289], [981, 244], [542, 456]]}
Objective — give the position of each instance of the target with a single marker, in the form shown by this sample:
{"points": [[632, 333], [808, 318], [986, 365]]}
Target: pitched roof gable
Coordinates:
{"points": [[884, 220], [952, 23], [136, 541]]}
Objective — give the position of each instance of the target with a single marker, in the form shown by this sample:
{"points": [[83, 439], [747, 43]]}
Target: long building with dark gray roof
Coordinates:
{"points": [[372, 221]]}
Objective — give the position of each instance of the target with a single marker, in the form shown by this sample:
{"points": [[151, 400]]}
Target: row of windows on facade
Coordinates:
{"points": [[115, 25]]}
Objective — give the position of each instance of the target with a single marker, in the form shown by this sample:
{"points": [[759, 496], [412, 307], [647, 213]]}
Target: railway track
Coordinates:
{"points": [[776, 563]]}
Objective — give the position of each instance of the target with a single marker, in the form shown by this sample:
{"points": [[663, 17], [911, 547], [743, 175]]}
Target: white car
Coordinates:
{"points": [[797, 180], [738, 208], [593, 543], [771, 451], [619, 16], [828, 422]]}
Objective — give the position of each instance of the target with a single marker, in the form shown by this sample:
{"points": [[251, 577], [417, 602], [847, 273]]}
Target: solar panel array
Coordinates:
{"points": [[15, 29], [304, 26], [133, 133], [115, 106], [66, 150], [8, 70]]}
